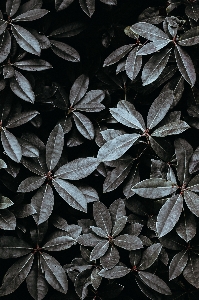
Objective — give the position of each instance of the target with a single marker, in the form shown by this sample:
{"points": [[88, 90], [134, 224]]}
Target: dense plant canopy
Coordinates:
{"points": [[99, 152]]}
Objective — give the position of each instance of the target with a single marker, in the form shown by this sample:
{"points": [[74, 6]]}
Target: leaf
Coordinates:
{"points": [[183, 151], [192, 11], [12, 247], [11, 145], [16, 274], [117, 210], [149, 256], [147, 291], [12, 6], [152, 47], [43, 202], [22, 87], [149, 32], [191, 273], [78, 89], [154, 67], [3, 26], [99, 250], [90, 193], [59, 241], [109, 2], [117, 176], [116, 272], [154, 188], [186, 228], [65, 51], [33, 65], [190, 37], [7, 220], [84, 125], [5, 202], [95, 278], [24, 211], [115, 148], [185, 65], [116, 55], [191, 200], [128, 242], [126, 114], [169, 215], [71, 194], [81, 283], [132, 180], [54, 273], [29, 5], [31, 15], [5, 45], [54, 147], [133, 64], [62, 4], [89, 239], [77, 169], [159, 108], [102, 217], [154, 282], [91, 101], [26, 40], [171, 128], [178, 264], [88, 6], [119, 225], [21, 119], [36, 282], [68, 30], [31, 183], [110, 258], [194, 162]]}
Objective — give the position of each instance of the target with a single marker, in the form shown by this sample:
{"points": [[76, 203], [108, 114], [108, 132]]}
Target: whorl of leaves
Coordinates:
{"points": [[99, 152]]}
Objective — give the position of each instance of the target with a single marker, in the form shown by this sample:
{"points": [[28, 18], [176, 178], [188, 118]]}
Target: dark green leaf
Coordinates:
{"points": [[54, 147], [190, 37], [119, 225], [11, 247], [36, 282], [21, 119], [22, 87], [152, 47], [154, 282], [159, 108], [116, 272], [169, 215], [71, 194], [99, 250], [102, 217], [191, 200], [26, 40], [133, 64], [117, 210], [149, 256], [84, 125], [43, 202], [185, 65], [191, 273], [128, 242], [68, 30], [7, 220], [31, 184], [33, 65], [88, 6], [11, 145], [110, 258], [116, 55], [194, 162], [178, 264], [149, 32], [78, 89], [5, 45], [59, 241], [115, 148], [91, 101], [82, 281], [31, 15], [154, 188], [95, 278], [65, 51], [54, 273], [12, 6], [89, 239], [154, 67], [5, 202], [16, 274], [172, 128], [186, 228], [62, 4], [192, 11]]}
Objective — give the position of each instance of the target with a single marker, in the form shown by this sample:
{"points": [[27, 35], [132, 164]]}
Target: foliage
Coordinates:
{"points": [[99, 155]]}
